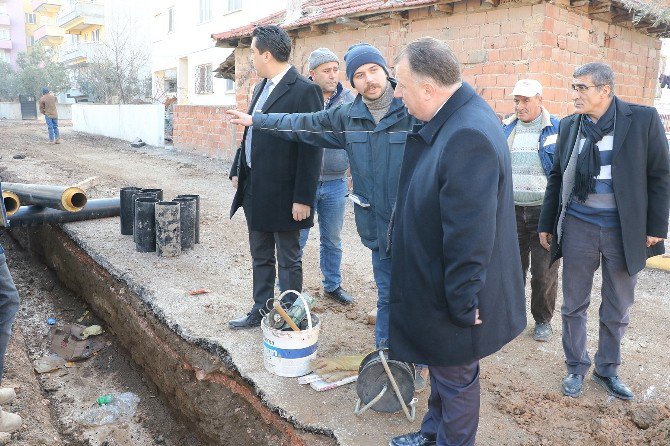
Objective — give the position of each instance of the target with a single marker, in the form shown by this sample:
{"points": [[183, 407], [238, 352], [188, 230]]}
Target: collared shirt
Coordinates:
{"points": [[277, 79]]}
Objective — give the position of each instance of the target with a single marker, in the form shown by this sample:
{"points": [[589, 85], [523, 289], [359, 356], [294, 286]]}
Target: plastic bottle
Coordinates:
{"points": [[119, 408]]}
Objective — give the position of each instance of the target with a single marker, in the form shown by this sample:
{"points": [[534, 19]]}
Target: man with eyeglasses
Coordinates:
{"points": [[607, 200], [531, 136]]}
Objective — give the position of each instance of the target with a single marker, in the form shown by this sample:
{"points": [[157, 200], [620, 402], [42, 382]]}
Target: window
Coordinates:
{"points": [[234, 5], [230, 86], [170, 19], [31, 18], [31, 41], [95, 35], [205, 11], [4, 34], [203, 79], [4, 57]]}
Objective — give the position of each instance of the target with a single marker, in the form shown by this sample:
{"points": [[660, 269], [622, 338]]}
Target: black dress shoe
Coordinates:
{"points": [[340, 295], [414, 439], [614, 386], [250, 320], [572, 385]]}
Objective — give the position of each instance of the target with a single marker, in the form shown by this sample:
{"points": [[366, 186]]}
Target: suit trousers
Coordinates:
{"points": [[584, 245], [453, 405], [263, 245]]}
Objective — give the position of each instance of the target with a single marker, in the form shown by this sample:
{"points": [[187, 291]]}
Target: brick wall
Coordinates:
{"points": [[204, 130], [497, 47]]}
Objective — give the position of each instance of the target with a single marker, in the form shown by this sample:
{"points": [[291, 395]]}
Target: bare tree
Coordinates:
{"points": [[116, 71]]}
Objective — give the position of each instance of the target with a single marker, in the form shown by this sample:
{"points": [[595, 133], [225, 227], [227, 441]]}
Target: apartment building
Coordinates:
{"points": [[12, 31], [183, 52]]}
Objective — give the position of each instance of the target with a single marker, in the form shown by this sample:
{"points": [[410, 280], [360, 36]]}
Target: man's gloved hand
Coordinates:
{"points": [[337, 368]]}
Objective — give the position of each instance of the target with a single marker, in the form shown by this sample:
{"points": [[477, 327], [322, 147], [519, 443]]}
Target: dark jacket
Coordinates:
{"points": [[375, 155], [455, 246], [284, 172], [640, 179], [336, 162], [547, 146]]}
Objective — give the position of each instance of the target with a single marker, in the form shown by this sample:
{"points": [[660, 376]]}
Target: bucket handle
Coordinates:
{"points": [[304, 302]]}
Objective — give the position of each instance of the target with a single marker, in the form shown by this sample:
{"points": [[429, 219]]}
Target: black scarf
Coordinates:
{"points": [[588, 162]]}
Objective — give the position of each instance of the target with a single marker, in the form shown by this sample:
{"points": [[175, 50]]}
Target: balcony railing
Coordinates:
{"points": [[81, 15], [49, 34], [79, 53]]}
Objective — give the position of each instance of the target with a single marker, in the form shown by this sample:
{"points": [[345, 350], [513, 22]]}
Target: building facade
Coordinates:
{"points": [[12, 31]]}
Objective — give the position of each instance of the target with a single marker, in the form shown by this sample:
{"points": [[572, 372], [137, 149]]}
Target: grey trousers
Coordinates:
{"points": [[262, 246], [9, 305], [544, 275], [453, 405], [584, 245]]}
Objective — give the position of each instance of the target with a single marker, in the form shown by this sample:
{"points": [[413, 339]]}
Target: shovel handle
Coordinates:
{"points": [[285, 316]]}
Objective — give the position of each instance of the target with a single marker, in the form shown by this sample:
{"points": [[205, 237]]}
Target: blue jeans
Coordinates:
{"points": [[329, 204], [9, 305], [52, 125], [381, 269]]}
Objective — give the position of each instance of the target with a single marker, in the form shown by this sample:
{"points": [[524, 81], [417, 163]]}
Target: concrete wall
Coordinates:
{"points": [[127, 122], [12, 110]]}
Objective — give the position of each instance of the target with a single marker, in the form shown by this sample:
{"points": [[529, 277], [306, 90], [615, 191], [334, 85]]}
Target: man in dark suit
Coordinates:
{"points": [[276, 180], [457, 291], [607, 197]]}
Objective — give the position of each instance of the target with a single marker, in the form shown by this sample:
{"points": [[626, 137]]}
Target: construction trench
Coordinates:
{"points": [[214, 379]]}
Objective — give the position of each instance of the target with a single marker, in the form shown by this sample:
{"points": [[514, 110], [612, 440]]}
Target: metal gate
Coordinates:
{"points": [[28, 107]]}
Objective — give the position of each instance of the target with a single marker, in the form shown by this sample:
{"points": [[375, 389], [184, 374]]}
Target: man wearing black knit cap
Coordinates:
{"points": [[372, 129]]}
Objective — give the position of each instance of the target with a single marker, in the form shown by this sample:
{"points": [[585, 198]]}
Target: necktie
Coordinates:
{"points": [[257, 109]]}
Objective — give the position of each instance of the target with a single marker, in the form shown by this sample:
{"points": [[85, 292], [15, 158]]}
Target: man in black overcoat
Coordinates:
{"points": [[607, 201], [276, 180], [457, 291]]}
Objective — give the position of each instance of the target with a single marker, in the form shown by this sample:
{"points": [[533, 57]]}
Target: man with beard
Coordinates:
{"points": [[372, 129]]}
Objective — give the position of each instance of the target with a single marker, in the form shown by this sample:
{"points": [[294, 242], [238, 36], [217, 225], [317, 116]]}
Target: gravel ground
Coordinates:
{"points": [[521, 400]]}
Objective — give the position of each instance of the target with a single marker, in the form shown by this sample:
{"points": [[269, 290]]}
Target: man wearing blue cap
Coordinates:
{"points": [[372, 129], [47, 105]]}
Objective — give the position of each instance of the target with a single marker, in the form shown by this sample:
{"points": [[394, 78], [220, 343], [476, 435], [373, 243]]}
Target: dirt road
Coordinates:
{"points": [[521, 399]]}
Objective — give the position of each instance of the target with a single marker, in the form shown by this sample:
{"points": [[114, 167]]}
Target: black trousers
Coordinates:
{"points": [[263, 246], [453, 405], [544, 278]]}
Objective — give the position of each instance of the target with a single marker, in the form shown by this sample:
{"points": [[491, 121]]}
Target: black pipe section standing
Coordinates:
{"points": [[127, 196], [145, 224], [65, 198], [168, 231], [135, 198], [197, 214], [38, 215], [158, 192], [187, 212], [12, 202]]}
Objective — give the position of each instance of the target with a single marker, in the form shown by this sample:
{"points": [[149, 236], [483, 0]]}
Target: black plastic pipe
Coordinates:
{"points": [[168, 231], [135, 198], [145, 224], [12, 202], [197, 214], [127, 195], [38, 215], [187, 211], [158, 192], [72, 199]]}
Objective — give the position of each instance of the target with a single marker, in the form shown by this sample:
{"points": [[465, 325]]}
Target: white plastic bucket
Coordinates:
{"points": [[288, 353]]}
